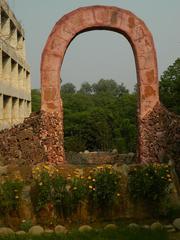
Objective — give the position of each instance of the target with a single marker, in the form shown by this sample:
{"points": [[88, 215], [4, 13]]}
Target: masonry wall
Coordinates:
{"points": [[161, 131], [15, 86], [124, 208]]}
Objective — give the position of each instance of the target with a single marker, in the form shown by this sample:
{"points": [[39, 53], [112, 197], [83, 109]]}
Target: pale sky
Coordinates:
{"points": [[99, 54]]}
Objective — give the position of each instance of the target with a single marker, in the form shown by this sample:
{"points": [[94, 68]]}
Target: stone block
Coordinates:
{"points": [[36, 230]]}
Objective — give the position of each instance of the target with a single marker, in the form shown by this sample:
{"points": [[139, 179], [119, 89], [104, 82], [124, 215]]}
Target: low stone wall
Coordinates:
{"points": [[124, 208], [95, 158]]}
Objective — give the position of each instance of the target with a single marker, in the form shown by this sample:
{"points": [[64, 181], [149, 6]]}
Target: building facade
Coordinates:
{"points": [[15, 84]]}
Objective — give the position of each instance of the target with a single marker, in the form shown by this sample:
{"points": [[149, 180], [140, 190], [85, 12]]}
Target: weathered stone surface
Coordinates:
{"points": [[85, 228], [86, 152], [171, 230], [51, 135], [38, 139], [6, 231], [20, 144], [115, 151], [156, 226], [48, 231], [169, 226], [3, 170], [59, 229], [20, 232], [160, 136], [133, 226], [176, 223], [36, 230], [105, 17], [110, 226], [91, 158], [146, 226]]}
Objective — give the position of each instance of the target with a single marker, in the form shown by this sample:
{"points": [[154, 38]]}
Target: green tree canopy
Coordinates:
{"points": [[86, 88], [170, 87], [110, 87], [36, 100], [100, 116], [102, 119], [68, 88]]}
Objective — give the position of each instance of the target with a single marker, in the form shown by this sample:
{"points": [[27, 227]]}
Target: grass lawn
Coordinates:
{"points": [[118, 234]]}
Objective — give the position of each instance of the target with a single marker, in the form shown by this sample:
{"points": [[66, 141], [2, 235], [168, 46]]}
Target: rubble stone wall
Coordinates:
{"points": [[35, 140], [40, 138], [161, 131]]}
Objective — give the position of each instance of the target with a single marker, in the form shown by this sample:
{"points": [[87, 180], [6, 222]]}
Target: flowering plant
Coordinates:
{"points": [[149, 183], [41, 190], [103, 186], [10, 195], [66, 192], [25, 225]]}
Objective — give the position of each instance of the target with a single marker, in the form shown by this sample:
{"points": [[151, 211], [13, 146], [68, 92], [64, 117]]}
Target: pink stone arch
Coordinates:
{"points": [[100, 18]]}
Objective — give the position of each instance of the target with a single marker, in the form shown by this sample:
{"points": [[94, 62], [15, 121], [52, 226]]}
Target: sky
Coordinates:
{"points": [[99, 54]]}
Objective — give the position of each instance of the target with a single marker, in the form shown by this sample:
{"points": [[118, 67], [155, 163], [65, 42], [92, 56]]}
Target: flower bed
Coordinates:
{"points": [[67, 194]]}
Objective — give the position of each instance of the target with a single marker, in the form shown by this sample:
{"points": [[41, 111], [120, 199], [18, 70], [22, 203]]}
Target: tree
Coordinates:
{"points": [[86, 88], [109, 87], [102, 120], [36, 100], [170, 87], [68, 88]]}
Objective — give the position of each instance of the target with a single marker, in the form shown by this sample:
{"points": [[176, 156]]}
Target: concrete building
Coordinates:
{"points": [[15, 85]]}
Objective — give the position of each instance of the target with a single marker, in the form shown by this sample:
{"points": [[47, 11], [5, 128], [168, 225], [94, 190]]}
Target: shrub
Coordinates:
{"points": [[67, 193], [10, 195], [25, 225], [64, 193], [41, 191], [78, 191], [149, 183], [60, 195], [100, 188], [171, 211], [103, 187]]}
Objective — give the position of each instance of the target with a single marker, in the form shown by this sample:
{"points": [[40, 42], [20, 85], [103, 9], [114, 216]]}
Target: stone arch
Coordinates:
{"points": [[101, 18]]}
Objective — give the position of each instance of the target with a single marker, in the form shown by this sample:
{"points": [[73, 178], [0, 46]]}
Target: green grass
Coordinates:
{"points": [[118, 234]]}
